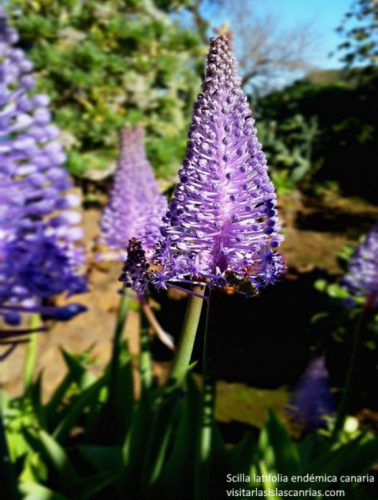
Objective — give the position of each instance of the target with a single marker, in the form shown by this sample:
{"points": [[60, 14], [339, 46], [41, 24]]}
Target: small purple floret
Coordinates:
{"points": [[135, 270], [221, 227]]}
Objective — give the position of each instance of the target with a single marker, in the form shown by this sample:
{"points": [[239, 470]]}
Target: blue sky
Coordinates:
{"points": [[324, 15]]}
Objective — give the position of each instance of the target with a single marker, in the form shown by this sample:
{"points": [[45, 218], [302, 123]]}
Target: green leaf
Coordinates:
{"points": [[134, 446], [81, 375], [78, 374], [179, 468], [86, 399], [356, 457], [35, 393], [33, 491], [276, 449], [102, 457], [123, 401], [52, 407], [32, 468], [241, 456], [86, 487], [312, 446], [145, 355], [52, 454], [4, 401]]}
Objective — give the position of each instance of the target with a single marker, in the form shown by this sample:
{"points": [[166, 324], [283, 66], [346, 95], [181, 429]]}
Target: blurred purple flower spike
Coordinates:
{"points": [[39, 255], [136, 206], [311, 399], [221, 228], [362, 277], [61, 313], [12, 316]]}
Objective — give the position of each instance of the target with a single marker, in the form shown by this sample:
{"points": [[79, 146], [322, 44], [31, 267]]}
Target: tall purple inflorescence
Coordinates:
{"points": [[136, 206], [221, 227], [311, 399], [362, 276], [39, 255]]}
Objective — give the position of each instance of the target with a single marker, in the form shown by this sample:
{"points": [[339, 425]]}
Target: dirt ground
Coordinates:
{"points": [[314, 234]]}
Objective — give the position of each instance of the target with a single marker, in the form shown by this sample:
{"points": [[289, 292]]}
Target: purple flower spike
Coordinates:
{"points": [[136, 206], [39, 256], [222, 227], [311, 399], [362, 276]]}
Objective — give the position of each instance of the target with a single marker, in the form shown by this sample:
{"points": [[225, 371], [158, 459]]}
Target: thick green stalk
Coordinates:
{"points": [[117, 343], [184, 349], [31, 352], [349, 382], [145, 355], [203, 463], [8, 478], [159, 433]]}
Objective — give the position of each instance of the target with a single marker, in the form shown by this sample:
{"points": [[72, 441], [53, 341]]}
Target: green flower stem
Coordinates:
{"points": [[117, 343], [184, 349], [31, 353], [203, 464], [145, 355], [156, 446], [349, 382], [8, 478]]}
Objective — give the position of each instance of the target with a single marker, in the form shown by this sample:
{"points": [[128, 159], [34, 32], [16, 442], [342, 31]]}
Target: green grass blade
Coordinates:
{"points": [[85, 488], [102, 458], [275, 448], [87, 398], [178, 470], [52, 454], [34, 491], [83, 377]]}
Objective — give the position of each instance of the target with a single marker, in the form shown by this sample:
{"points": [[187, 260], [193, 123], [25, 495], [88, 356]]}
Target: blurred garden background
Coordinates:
{"points": [[310, 72]]}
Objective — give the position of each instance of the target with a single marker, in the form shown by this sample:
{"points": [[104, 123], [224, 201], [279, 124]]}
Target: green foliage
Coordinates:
{"points": [[288, 147], [360, 31], [108, 63], [155, 457], [323, 131], [344, 309], [343, 314]]}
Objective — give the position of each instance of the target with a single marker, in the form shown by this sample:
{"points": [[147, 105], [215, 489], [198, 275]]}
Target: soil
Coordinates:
{"points": [[315, 231]]}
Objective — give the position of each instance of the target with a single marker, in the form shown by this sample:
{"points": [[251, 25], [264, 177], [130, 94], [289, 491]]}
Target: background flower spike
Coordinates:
{"points": [[39, 252], [362, 276], [135, 206]]}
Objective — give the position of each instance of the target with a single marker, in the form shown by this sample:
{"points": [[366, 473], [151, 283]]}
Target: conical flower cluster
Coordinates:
{"points": [[221, 228], [311, 399], [136, 206], [362, 276], [39, 256]]}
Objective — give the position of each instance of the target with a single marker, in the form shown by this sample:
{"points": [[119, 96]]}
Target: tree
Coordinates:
{"points": [[360, 30], [267, 52], [108, 63]]}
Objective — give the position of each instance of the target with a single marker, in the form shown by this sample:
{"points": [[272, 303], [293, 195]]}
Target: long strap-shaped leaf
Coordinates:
{"points": [[85, 488], [52, 454], [77, 373], [178, 471], [87, 398], [34, 491]]}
